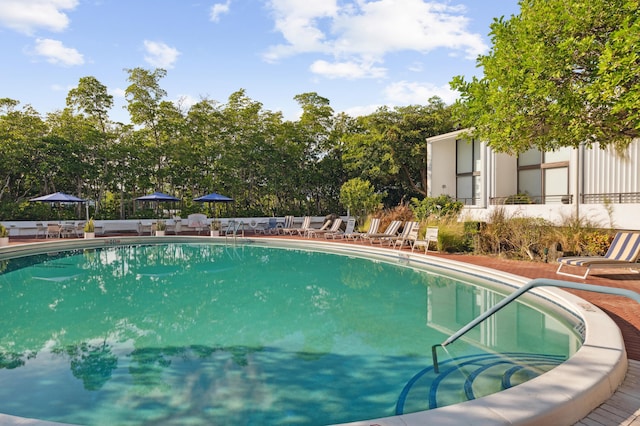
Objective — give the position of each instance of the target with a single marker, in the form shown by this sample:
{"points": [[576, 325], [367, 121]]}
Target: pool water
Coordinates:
{"points": [[207, 334]]}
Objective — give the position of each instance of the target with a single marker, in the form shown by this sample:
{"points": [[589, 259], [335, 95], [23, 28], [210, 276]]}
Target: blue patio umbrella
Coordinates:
{"points": [[59, 197], [213, 198], [158, 197]]}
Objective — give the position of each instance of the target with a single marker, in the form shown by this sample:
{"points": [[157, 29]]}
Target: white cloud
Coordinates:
{"points": [[26, 16], [361, 110], [56, 53], [219, 9], [411, 93], [348, 70], [160, 55], [361, 31]]}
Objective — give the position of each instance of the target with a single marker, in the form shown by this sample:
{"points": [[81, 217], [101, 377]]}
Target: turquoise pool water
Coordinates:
{"points": [[212, 334]]}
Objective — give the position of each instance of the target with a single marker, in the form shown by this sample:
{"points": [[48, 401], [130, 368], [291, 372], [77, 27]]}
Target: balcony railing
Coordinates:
{"points": [[614, 198], [529, 199]]}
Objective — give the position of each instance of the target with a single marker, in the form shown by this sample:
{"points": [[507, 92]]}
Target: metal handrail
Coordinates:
{"points": [[538, 282], [234, 226]]}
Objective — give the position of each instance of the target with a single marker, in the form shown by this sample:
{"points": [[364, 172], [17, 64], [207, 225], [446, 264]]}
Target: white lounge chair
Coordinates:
{"points": [[431, 236], [347, 233], [335, 227], [287, 225], [623, 253], [306, 225], [390, 232], [325, 227], [373, 229], [407, 236]]}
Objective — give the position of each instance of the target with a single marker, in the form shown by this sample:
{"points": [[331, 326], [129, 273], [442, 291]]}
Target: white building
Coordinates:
{"points": [[601, 186]]}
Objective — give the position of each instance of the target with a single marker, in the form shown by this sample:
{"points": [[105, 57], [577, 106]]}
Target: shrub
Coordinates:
{"points": [[89, 226], [360, 197], [441, 206]]}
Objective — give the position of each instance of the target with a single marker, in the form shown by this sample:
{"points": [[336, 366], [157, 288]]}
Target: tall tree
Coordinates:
{"points": [[559, 74], [92, 100], [390, 146]]}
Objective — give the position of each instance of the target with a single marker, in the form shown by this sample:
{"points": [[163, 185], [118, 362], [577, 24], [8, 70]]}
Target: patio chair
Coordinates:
{"points": [[347, 233], [53, 230], [407, 236], [288, 224], [79, 229], [271, 228], [197, 221], [430, 236], [335, 227], [175, 226], [373, 229], [145, 227], [623, 253], [306, 225], [41, 228], [324, 227], [390, 232]]}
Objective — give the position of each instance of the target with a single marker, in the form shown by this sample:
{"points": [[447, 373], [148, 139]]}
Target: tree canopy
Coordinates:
{"points": [[268, 165], [560, 73]]}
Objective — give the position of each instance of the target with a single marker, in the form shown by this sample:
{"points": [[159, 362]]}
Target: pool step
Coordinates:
{"points": [[470, 377]]}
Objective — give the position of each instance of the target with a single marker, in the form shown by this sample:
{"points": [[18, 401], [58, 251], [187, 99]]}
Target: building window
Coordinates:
{"points": [[543, 177], [468, 167]]}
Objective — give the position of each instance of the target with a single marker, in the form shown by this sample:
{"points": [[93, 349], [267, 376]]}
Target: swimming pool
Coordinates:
{"points": [[191, 333]]}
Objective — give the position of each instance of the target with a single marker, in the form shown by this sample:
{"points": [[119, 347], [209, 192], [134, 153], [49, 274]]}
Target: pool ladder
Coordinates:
{"points": [[538, 282], [234, 227]]}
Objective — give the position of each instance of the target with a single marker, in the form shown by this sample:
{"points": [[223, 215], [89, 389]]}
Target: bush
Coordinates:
{"points": [[441, 206]]}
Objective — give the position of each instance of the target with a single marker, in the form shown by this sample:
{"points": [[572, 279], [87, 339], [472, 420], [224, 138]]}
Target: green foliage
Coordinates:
{"points": [[597, 243], [90, 226], [558, 74], [389, 147], [360, 197], [519, 199], [519, 237], [440, 206], [4, 232]]}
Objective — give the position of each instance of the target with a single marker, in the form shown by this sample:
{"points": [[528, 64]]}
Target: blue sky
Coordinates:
{"points": [[359, 54]]}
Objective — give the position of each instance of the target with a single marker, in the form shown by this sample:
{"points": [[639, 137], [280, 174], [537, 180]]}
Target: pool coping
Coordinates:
{"points": [[564, 395]]}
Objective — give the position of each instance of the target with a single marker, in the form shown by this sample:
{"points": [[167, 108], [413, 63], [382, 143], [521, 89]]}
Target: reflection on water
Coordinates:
{"points": [[214, 334]]}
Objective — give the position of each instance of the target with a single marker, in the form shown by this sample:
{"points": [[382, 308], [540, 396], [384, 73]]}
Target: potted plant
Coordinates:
{"points": [[4, 236], [215, 228], [90, 229], [161, 227]]}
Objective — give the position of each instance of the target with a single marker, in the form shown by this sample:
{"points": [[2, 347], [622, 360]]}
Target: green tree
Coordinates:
{"points": [[360, 197], [559, 74], [389, 147]]}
